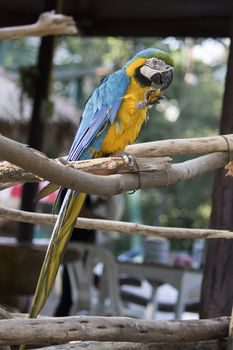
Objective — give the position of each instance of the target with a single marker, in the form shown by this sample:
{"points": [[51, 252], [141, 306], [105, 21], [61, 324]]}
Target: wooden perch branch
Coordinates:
{"points": [[64, 329], [49, 23], [11, 174], [118, 226], [93, 345], [37, 163], [182, 146]]}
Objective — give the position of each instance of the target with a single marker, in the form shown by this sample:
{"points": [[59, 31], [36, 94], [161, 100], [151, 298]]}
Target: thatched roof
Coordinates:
{"points": [[15, 109]]}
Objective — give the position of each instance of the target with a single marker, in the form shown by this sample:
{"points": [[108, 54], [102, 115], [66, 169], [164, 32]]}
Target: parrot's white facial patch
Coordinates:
{"points": [[158, 72], [147, 71]]}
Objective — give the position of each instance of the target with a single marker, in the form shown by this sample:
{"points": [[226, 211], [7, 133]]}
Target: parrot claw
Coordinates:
{"points": [[129, 160]]}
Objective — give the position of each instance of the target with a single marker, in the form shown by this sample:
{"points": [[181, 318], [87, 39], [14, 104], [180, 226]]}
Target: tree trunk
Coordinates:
{"points": [[217, 289]]}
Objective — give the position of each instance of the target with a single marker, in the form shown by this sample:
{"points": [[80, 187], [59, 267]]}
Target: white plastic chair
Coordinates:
{"points": [[102, 301]]}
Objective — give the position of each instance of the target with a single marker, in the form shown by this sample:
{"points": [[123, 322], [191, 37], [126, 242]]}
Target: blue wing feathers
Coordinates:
{"points": [[101, 108]]}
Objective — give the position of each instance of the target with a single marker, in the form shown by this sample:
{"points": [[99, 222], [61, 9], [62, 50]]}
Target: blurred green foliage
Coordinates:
{"points": [[192, 108]]}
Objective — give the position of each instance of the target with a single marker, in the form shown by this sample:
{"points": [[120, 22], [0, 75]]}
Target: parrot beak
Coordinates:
{"points": [[158, 72], [163, 78]]}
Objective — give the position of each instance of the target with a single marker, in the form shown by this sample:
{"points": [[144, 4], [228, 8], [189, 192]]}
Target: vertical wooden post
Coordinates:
{"points": [[217, 289], [36, 128]]}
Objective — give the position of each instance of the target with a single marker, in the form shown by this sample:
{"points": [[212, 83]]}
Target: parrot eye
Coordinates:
{"points": [[151, 62]]}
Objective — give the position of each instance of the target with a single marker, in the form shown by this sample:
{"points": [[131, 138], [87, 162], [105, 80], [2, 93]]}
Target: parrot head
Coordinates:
{"points": [[151, 66]]}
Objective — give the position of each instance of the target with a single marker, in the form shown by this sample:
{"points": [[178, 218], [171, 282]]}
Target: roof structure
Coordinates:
{"points": [[16, 112], [197, 18], [16, 109]]}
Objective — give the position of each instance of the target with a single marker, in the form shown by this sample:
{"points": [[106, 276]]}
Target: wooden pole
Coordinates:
{"points": [[36, 127], [217, 289]]}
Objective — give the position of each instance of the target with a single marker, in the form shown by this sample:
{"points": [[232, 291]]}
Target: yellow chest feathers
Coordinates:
{"points": [[128, 122]]}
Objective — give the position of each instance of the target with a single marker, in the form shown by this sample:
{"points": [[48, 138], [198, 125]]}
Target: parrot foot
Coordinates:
{"points": [[131, 161], [152, 98]]}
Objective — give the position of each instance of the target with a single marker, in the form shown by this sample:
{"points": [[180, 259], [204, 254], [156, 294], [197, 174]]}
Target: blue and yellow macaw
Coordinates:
{"points": [[112, 119]]}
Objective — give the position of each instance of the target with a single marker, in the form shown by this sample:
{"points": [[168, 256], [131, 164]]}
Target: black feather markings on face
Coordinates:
{"points": [[141, 79]]}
